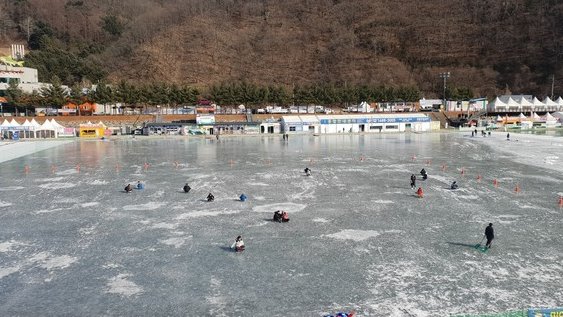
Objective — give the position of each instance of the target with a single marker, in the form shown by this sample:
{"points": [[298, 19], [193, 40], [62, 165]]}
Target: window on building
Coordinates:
{"points": [[292, 129], [391, 127]]}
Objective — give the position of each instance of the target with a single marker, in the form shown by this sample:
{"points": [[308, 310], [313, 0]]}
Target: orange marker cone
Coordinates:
{"points": [[444, 166], [26, 169], [413, 158], [462, 171], [495, 182], [517, 188], [78, 168], [560, 201], [146, 166], [479, 178]]}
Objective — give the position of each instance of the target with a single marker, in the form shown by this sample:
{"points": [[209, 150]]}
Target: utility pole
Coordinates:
{"points": [[445, 76], [552, 85]]}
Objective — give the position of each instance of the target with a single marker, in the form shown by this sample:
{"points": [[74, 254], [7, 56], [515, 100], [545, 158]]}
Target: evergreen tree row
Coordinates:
{"points": [[327, 95]]}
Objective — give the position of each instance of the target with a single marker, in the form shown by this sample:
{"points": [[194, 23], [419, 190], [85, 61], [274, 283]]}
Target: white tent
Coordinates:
{"points": [[559, 101], [496, 104], [513, 105], [537, 102], [5, 123], [549, 102], [34, 123], [14, 123], [56, 125], [525, 103], [47, 130], [522, 116], [499, 119], [535, 117]]}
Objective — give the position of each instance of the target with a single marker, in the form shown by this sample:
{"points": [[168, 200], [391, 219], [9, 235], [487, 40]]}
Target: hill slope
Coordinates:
{"points": [[487, 45]]}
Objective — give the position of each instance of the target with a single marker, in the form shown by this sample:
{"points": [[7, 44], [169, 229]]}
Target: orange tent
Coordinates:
{"points": [[3, 100]]}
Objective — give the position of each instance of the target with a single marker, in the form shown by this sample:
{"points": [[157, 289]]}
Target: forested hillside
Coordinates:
{"points": [[488, 46]]}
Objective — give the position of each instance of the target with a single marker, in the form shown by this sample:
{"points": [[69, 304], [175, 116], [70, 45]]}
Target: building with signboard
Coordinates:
{"points": [[362, 123]]}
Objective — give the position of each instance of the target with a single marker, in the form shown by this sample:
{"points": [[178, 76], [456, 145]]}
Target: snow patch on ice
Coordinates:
{"points": [[198, 214], [59, 262], [97, 182], [44, 211], [57, 185], [5, 271], [10, 188], [52, 179], [10, 245], [289, 207], [68, 172], [176, 242], [381, 201], [320, 220], [4, 204], [355, 235], [164, 225], [258, 184], [122, 286], [148, 206], [90, 204]]}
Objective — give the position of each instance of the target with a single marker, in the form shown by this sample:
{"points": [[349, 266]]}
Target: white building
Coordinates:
{"points": [[26, 78], [367, 123]]}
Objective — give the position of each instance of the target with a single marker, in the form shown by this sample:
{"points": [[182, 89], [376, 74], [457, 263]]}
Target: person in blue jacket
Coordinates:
{"points": [[243, 197]]}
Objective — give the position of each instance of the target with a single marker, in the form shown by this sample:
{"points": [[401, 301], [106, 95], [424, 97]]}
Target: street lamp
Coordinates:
{"points": [[445, 76]]}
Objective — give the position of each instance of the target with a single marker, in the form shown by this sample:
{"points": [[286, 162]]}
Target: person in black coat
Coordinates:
{"points": [[424, 174], [210, 197], [490, 234], [187, 188], [128, 188], [413, 181]]}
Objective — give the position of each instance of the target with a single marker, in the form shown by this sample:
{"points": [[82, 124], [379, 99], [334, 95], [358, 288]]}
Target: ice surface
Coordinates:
{"points": [[73, 243]]}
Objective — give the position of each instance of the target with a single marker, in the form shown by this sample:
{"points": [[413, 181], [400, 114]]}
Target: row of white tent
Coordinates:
{"points": [[32, 129], [535, 117], [522, 104]]}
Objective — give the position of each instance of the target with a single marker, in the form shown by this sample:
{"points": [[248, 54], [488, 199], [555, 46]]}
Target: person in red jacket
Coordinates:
{"points": [[419, 192]]}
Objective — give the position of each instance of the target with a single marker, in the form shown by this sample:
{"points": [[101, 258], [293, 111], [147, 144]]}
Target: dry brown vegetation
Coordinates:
{"points": [[487, 45]]}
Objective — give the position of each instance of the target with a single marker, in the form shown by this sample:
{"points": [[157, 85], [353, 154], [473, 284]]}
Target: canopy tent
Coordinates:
{"points": [[14, 123], [499, 119], [47, 130], [34, 123], [522, 116], [63, 131], [535, 117]]}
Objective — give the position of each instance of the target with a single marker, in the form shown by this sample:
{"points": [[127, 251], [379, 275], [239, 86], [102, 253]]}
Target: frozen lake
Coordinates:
{"points": [[73, 243]]}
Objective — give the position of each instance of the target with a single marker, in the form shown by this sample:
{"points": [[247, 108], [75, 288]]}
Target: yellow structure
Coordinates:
{"points": [[92, 130]]}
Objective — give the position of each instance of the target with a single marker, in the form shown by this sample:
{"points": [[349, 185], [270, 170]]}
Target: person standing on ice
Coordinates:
{"points": [[128, 188], [413, 181], [307, 171], [490, 234]]}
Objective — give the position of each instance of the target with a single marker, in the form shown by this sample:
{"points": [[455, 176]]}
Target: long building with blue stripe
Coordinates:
{"points": [[367, 123]]}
